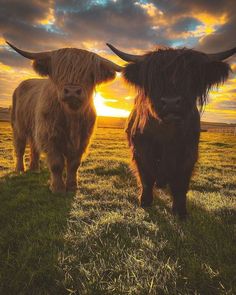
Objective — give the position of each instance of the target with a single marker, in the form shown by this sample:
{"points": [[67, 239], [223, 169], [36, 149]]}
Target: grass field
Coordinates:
{"points": [[100, 242]]}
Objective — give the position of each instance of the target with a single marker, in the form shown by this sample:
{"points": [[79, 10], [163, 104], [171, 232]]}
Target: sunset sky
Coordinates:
{"points": [[134, 26]]}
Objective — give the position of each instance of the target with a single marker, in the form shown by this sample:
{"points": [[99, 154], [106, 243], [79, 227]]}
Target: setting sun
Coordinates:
{"points": [[106, 111]]}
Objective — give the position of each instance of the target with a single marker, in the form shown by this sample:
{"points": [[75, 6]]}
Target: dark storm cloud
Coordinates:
{"points": [[25, 11], [215, 6], [21, 23], [28, 38], [186, 24], [122, 22], [221, 39], [224, 37], [13, 59], [125, 23], [35, 38], [179, 7]]}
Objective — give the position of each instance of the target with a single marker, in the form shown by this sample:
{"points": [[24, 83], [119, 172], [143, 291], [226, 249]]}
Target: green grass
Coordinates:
{"points": [[100, 242]]}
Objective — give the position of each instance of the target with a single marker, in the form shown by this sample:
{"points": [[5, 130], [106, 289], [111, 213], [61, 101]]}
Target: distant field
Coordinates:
{"points": [[100, 242], [112, 122]]}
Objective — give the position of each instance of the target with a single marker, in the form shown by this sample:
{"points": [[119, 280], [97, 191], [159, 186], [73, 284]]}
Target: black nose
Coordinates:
{"points": [[170, 102]]}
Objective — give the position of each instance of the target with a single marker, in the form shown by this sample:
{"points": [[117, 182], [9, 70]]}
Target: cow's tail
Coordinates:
{"points": [[13, 109]]}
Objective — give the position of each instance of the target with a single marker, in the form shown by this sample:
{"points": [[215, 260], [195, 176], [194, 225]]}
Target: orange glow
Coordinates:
{"points": [[5, 68], [212, 20], [116, 98], [106, 111], [50, 19], [2, 41], [150, 9], [210, 24]]}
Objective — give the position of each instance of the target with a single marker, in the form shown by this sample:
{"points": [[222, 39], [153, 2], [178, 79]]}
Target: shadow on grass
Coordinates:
{"points": [[107, 229], [192, 257], [204, 246], [32, 222]]}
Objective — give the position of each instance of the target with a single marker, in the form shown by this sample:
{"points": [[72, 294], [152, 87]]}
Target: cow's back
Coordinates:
{"points": [[25, 98]]}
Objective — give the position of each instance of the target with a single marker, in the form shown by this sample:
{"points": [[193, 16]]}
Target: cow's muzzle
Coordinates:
{"points": [[171, 109], [73, 96]]}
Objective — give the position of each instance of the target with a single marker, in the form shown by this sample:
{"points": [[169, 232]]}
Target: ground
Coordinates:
{"points": [[98, 241]]}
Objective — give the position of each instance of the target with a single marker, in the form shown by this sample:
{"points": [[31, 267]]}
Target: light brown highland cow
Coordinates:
{"points": [[57, 115]]}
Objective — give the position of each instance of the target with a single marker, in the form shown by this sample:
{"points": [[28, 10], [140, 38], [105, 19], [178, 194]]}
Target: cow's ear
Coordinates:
{"points": [[216, 72], [42, 66], [132, 74]]}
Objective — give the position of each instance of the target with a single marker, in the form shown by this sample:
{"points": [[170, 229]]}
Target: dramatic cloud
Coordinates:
{"points": [[134, 25]]}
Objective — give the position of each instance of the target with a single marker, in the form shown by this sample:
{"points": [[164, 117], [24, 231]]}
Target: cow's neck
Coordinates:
{"points": [[73, 127]]}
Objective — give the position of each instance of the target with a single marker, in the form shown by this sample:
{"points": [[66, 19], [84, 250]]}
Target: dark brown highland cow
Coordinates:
{"points": [[57, 115], [164, 126]]}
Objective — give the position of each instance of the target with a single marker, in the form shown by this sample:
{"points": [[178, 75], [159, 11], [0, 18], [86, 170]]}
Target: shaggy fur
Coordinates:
{"points": [[41, 116], [165, 153]]}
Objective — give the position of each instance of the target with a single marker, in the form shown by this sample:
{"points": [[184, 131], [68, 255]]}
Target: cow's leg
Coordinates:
{"points": [[73, 164], [180, 179], [19, 145], [74, 157], [144, 161], [34, 157], [179, 186], [56, 166]]}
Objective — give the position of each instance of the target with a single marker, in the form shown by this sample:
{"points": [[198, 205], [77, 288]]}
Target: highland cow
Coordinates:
{"points": [[57, 115], [164, 126]]}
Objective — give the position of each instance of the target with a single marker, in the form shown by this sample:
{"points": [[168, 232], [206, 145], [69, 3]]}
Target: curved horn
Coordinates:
{"points": [[221, 55], [125, 56], [112, 65], [30, 55]]}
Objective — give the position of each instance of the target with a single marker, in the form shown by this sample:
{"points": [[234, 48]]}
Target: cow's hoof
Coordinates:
{"points": [[19, 170], [145, 203], [57, 189], [71, 188], [34, 168], [181, 215]]}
